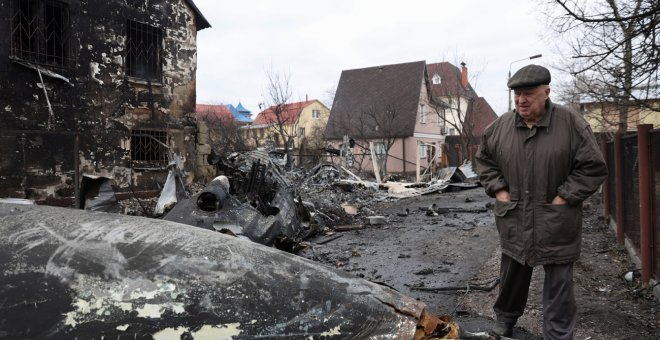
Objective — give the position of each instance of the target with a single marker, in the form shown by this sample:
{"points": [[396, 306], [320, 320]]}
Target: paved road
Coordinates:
{"points": [[443, 250]]}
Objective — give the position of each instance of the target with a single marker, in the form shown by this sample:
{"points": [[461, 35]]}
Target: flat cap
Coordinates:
{"points": [[529, 76]]}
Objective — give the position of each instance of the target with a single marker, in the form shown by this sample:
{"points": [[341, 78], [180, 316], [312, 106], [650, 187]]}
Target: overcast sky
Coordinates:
{"points": [[313, 41]]}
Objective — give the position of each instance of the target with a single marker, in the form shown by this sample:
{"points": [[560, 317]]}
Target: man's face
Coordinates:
{"points": [[530, 102]]}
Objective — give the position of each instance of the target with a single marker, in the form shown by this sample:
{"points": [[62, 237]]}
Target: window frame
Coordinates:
{"points": [[422, 114], [136, 65], [423, 150], [146, 148], [380, 149], [47, 33]]}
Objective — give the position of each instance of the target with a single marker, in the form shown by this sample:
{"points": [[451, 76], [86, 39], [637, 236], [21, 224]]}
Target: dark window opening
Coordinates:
{"points": [[41, 32], [143, 48], [149, 148]]}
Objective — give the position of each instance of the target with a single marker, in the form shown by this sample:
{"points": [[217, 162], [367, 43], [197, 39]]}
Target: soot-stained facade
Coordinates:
{"points": [[96, 88]]}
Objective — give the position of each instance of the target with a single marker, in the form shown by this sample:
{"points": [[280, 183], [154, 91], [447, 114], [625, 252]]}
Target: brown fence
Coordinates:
{"points": [[631, 193]]}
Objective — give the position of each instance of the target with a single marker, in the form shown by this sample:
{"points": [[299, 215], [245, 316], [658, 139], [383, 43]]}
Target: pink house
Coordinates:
{"points": [[403, 113]]}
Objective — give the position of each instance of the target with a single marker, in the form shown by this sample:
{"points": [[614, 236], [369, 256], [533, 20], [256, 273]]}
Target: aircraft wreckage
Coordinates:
{"points": [[68, 273], [255, 202]]}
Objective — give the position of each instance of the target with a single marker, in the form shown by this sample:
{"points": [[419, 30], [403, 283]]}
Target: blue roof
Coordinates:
{"points": [[242, 109], [240, 113]]}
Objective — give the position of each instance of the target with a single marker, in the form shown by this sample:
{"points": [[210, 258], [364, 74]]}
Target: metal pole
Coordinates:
{"points": [[511, 64], [606, 185], [645, 200], [618, 180]]}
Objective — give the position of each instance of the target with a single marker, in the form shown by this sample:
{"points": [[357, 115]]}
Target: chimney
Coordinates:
{"points": [[306, 99], [464, 77]]}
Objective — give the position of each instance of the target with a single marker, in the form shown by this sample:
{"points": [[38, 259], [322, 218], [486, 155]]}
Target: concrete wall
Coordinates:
{"points": [[92, 116]]}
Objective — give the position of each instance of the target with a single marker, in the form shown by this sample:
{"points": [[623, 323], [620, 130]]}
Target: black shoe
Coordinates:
{"points": [[503, 328]]}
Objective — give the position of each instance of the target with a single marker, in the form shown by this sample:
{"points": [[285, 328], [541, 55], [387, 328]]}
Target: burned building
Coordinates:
{"points": [[93, 89]]}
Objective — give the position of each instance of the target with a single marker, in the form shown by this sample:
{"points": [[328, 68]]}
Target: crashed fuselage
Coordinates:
{"points": [[69, 273]]}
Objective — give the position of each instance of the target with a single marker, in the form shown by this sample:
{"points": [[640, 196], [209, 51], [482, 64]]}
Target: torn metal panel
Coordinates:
{"points": [[468, 172], [173, 190], [263, 221], [98, 194], [85, 275], [406, 190]]}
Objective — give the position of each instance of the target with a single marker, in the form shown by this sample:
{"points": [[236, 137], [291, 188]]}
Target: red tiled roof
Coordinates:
{"points": [[290, 113], [450, 84], [479, 115], [218, 113]]}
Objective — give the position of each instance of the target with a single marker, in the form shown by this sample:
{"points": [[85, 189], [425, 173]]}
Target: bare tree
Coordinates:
{"points": [[312, 146], [282, 120], [382, 124], [614, 50], [453, 108], [225, 133], [329, 96]]}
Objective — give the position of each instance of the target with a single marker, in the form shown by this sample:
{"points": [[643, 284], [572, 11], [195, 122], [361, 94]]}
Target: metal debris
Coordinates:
{"points": [[83, 274]]}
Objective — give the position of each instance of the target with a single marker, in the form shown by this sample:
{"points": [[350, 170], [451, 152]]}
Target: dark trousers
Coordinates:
{"points": [[559, 308]]}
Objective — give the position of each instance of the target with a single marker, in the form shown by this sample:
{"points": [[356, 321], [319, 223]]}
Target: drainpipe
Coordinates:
{"points": [[618, 180], [645, 200], [606, 186]]}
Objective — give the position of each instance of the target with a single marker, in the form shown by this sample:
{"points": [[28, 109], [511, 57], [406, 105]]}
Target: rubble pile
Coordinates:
{"points": [[254, 198]]}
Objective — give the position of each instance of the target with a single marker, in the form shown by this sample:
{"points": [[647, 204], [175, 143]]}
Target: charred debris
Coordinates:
{"points": [[124, 275], [254, 198]]}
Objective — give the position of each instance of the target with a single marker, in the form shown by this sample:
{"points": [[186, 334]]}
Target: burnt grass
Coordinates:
{"points": [[459, 246]]}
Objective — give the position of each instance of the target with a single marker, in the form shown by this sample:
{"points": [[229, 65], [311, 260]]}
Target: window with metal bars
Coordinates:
{"points": [[143, 51], [41, 32], [149, 147]]}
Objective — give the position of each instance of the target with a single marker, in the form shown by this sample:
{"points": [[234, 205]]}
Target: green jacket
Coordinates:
{"points": [[559, 155]]}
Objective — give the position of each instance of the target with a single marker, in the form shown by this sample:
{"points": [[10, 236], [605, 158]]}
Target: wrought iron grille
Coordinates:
{"points": [[143, 51], [149, 147], [41, 32]]}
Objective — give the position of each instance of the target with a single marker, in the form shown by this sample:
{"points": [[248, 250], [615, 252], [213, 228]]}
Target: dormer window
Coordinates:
{"points": [[436, 79]]}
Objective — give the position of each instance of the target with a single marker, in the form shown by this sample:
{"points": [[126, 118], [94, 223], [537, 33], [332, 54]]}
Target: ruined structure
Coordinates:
{"points": [[96, 89]]}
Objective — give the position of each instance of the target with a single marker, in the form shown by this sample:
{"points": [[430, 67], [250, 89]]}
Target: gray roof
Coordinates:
{"points": [[376, 89], [200, 20]]}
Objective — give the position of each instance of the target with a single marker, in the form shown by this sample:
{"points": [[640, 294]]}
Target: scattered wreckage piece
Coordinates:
{"points": [[480, 287], [459, 178], [88, 274], [350, 227], [407, 190], [270, 217], [254, 200], [323, 174], [98, 194]]}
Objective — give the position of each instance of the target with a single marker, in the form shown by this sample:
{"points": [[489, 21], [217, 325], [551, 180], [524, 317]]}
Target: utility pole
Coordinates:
{"points": [[509, 77]]}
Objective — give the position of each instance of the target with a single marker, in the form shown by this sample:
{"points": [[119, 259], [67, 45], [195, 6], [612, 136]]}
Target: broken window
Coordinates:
{"points": [[149, 147], [143, 51], [41, 32]]}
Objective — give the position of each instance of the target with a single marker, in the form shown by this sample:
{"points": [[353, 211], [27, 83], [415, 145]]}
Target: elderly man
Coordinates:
{"points": [[540, 162]]}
